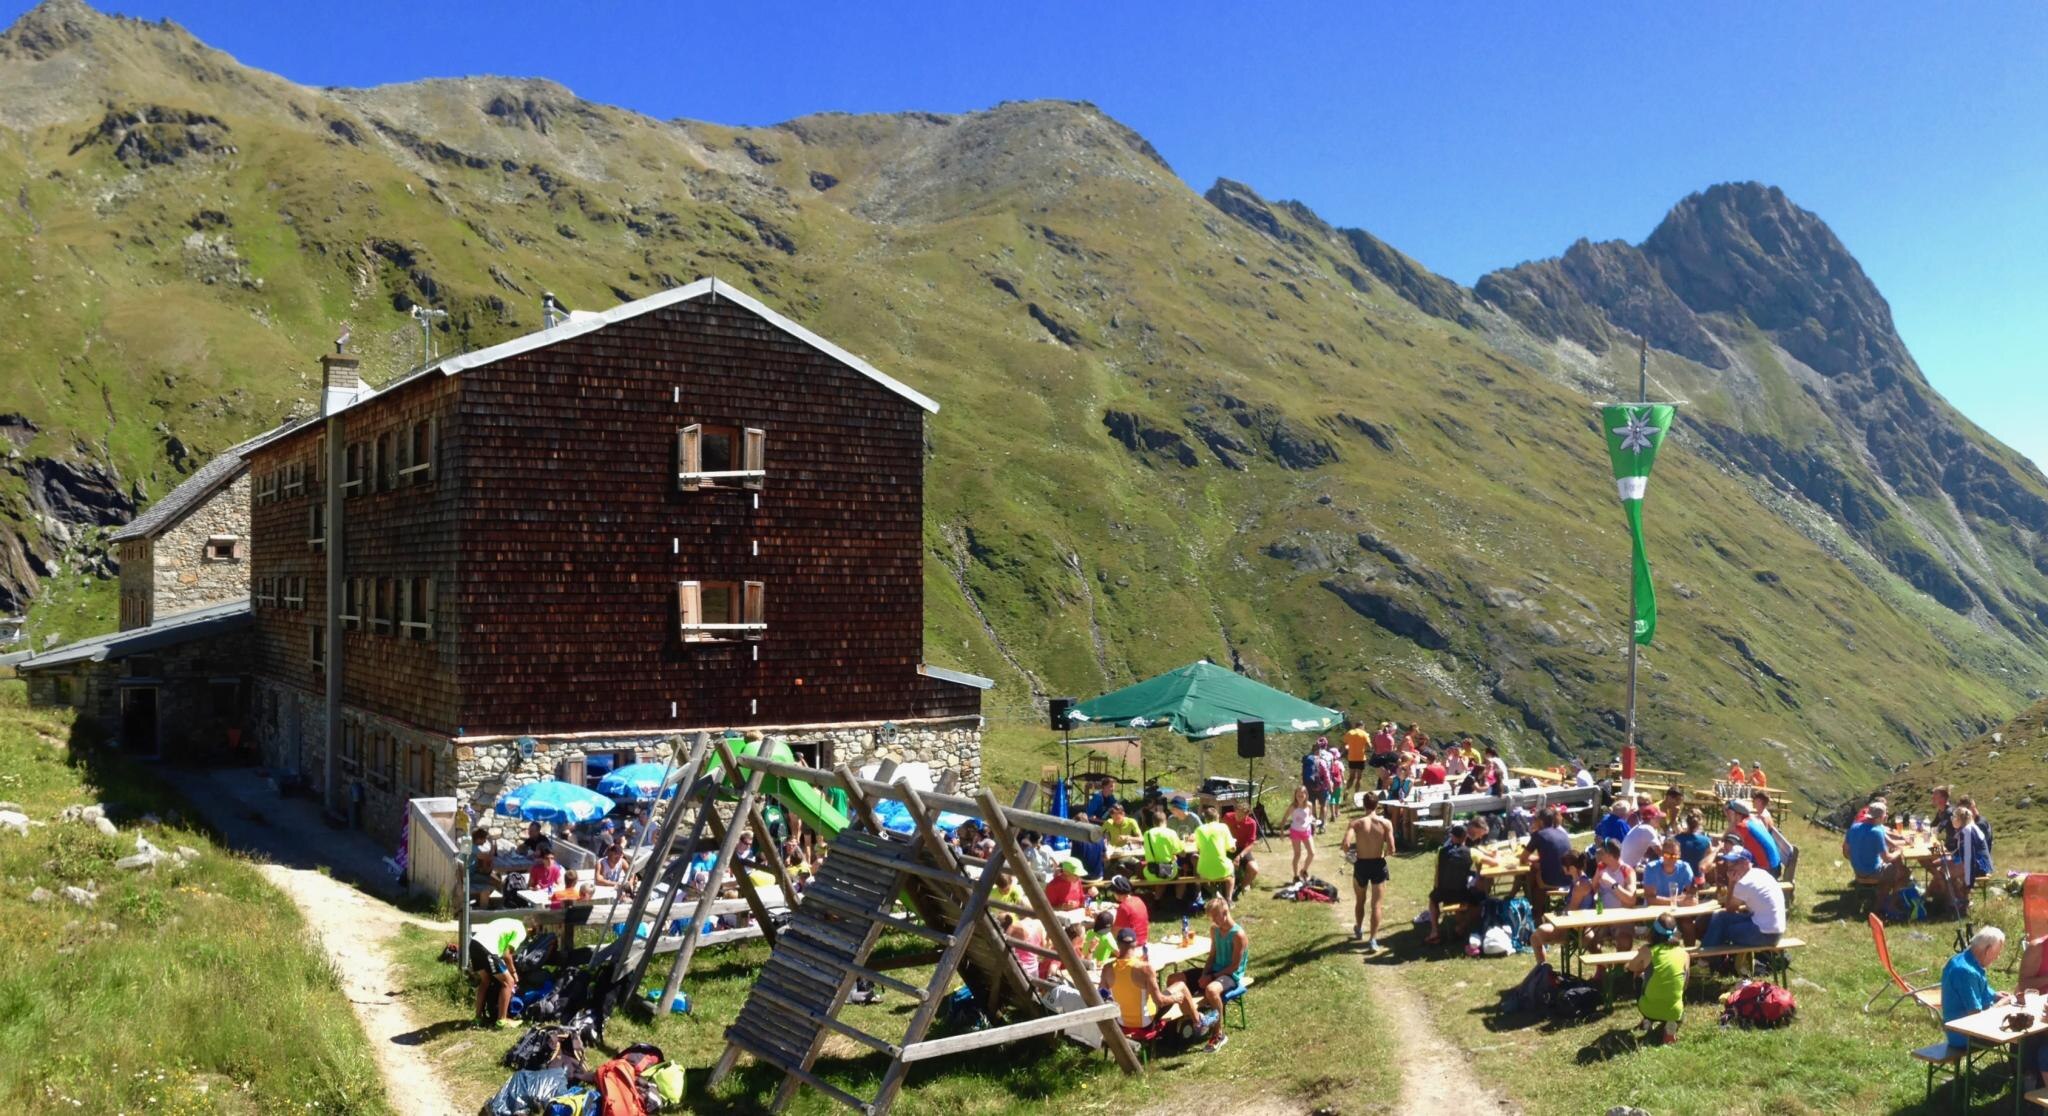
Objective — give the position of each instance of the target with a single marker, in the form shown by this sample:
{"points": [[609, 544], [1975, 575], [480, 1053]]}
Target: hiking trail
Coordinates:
{"points": [[354, 931]]}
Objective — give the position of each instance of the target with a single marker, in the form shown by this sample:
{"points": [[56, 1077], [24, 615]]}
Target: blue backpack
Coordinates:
{"points": [[1514, 914]]}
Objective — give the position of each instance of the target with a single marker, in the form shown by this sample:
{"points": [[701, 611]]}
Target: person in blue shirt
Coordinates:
{"points": [[1965, 989], [1100, 802], [1693, 842], [1614, 825], [1969, 860], [1871, 856], [1668, 876]]}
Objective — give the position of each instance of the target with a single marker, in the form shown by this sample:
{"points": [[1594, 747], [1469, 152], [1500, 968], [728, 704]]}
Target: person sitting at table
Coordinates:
{"points": [[1008, 889], [1131, 912], [1098, 945], [974, 840], [1067, 891], [1162, 850], [1615, 825], [1983, 823], [1618, 889], [1755, 836], [1668, 877], [1642, 840], [570, 891], [1753, 905], [1966, 983], [1663, 962], [1941, 820], [1402, 783], [1735, 773], [1215, 851], [1864, 813], [545, 875], [1579, 893], [484, 880], [1455, 881], [1124, 838], [1244, 829], [614, 869], [1968, 861], [1129, 982], [536, 842], [1221, 973], [1039, 858], [1872, 857], [1580, 776], [1100, 802], [1029, 931], [1548, 845], [1693, 842]]}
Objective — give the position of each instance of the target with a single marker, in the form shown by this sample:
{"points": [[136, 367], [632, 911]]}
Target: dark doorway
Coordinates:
{"points": [[139, 722]]}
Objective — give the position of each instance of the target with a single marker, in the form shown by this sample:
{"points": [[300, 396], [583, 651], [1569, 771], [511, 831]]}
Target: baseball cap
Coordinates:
{"points": [[1739, 806], [1070, 864], [1735, 854], [1179, 803], [1126, 936], [1651, 811]]}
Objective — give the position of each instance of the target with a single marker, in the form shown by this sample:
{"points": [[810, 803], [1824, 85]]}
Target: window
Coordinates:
{"points": [[419, 769], [419, 458], [61, 690], [295, 592], [351, 604], [225, 696], [351, 747], [316, 524], [712, 611], [710, 456], [226, 548], [416, 612], [575, 772], [266, 487], [295, 479], [266, 591], [383, 762], [353, 460], [387, 463], [317, 650], [384, 606]]}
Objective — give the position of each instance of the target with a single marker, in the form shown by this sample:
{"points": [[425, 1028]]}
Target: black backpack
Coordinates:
{"points": [[1575, 999], [1535, 992]]}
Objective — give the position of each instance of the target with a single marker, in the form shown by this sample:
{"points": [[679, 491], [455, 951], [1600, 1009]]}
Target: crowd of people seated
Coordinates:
{"points": [[1957, 843]]}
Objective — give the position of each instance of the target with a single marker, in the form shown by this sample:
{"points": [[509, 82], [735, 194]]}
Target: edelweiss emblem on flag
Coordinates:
{"points": [[1636, 435]]}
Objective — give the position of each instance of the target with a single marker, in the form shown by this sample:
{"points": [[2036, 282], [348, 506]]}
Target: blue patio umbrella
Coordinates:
{"points": [[552, 800], [637, 782]]}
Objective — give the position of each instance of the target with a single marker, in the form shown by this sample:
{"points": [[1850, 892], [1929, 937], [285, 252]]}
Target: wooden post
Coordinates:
{"points": [[662, 846], [729, 841]]}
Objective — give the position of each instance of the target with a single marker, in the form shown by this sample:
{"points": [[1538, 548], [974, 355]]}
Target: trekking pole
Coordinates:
{"points": [[468, 866]]}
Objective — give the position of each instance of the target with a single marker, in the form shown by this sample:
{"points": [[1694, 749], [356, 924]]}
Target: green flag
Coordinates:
{"points": [[1633, 435]]}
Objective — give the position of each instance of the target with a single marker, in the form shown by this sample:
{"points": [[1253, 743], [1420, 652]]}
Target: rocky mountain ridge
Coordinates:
{"points": [[1175, 424]]}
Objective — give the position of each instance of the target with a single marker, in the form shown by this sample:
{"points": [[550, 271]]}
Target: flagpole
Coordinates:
{"points": [[1628, 747]]}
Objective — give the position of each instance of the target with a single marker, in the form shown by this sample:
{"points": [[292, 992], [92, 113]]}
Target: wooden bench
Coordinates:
{"points": [[1605, 964]]}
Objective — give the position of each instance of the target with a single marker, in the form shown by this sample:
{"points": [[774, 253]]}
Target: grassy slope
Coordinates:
{"points": [[1091, 565], [2004, 775], [97, 1007]]}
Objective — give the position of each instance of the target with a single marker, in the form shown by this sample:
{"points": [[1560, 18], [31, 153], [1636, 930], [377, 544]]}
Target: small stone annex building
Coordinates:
{"points": [[174, 680], [687, 512]]}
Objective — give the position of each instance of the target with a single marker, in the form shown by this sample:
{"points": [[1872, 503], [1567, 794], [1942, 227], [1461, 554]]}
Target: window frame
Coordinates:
{"points": [[316, 525], [746, 611], [294, 479], [386, 461], [236, 548], [418, 470], [749, 452], [383, 605], [351, 614], [353, 459], [294, 597], [416, 599], [316, 646], [266, 486]]}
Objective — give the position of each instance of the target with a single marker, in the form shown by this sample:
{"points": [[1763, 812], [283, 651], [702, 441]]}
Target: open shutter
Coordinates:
{"points": [[433, 448], [404, 607], [754, 456], [753, 606], [427, 588], [690, 456], [689, 606]]}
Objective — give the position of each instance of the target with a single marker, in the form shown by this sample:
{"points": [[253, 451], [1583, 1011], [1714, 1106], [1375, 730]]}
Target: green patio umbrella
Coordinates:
{"points": [[1201, 700]]}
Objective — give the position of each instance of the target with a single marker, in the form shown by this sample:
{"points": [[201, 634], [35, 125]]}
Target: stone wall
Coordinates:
{"points": [[184, 577], [201, 686]]}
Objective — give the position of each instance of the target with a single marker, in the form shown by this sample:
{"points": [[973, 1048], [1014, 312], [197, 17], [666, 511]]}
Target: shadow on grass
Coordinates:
{"points": [[1614, 1043], [424, 1035]]}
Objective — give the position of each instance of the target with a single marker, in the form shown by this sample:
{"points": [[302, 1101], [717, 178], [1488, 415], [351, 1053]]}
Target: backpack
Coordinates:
{"points": [[580, 1101], [1534, 993], [1575, 999], [1497, 942], [534, 1049], [667, 1079], [1761, 1004], [1521, 922], [1908, 905], [961, 1012], [1315, 891]]}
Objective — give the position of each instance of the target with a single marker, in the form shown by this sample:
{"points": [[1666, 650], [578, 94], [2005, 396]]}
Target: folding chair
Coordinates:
{"points": [[1928, 996]]}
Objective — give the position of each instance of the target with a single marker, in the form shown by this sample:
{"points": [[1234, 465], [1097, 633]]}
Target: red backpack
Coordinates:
{"points": [[1762, 1004]]}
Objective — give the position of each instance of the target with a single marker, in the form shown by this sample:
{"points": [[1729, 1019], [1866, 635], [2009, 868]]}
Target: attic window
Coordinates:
{"points": [[266, 487], [225, 548], [710, 456], [717, 611]]}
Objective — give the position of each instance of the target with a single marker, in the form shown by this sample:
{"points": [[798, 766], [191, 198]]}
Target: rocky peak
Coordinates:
{"points": [[49, 28]]}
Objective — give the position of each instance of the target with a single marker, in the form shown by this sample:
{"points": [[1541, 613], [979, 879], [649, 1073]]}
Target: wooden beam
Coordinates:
{"points": [[766, 1054], [787, 1004], [662, 845], [1018, 815], [729, 840], [996, 1036], [1069, 957]]}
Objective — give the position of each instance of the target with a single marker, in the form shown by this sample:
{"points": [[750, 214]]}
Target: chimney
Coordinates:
{"points": [[344, 382]]}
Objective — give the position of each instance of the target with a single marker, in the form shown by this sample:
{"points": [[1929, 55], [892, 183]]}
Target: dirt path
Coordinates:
{"points": [[355, 930], [1436, 1076]]}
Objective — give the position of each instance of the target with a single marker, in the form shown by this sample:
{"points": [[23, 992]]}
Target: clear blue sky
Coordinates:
{"points": [[1471, 135]]}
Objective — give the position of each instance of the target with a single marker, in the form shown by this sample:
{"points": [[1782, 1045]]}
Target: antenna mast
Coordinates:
{"points": [[427, 318]]}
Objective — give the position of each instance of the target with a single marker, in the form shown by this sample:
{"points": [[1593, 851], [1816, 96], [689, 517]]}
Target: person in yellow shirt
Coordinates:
{"points": [[1357, 742], [1122, 838], [1214, 849]]}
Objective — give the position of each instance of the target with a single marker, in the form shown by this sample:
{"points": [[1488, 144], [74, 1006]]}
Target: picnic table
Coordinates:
{"points": [[1572, 922], [1987, 1028], [1406, 813]]}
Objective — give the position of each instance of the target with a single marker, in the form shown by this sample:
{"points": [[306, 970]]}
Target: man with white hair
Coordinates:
{"points": [[1965, 987], [1753, 905]]}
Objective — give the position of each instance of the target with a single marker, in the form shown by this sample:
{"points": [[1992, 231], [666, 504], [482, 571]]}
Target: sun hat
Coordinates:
{"points": [[1739, 806], [1651, 811], [1071, 864]]}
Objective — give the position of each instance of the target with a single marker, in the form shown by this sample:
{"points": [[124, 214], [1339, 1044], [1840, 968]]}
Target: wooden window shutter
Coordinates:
{"points": [[427, 585], [433, 446], [753, 606], [690, 456], [404, 604], [689, 605], [754, 456], [240, 550]]}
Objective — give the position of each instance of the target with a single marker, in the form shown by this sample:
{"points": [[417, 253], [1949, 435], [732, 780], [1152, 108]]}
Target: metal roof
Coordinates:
{"points": [[196, 489], [960, 677], [169, 631], [581, 322]]}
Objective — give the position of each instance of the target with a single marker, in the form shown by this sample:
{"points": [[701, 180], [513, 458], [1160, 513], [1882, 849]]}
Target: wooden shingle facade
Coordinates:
{"points": [[685, 513]]}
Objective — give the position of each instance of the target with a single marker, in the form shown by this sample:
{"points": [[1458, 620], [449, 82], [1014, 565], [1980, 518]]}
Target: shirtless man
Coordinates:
{"points": [[1369, 840]]}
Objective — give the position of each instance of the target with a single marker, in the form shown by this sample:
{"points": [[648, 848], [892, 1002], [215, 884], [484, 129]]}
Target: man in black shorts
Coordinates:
{"points": [[1455, 882], [1370, 839]]}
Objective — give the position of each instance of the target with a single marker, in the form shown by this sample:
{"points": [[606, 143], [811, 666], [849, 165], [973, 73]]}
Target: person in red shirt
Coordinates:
{"points": [[1130, 911], [1065, 891], [1244, 829], [1433, 773]]}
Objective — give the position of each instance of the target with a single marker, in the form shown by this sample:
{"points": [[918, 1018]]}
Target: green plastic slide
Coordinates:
{"points": [[804, 802]]}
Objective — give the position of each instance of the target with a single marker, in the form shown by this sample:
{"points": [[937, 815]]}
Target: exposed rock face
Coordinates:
{"points": [[1139, 435], [1387, 607]]}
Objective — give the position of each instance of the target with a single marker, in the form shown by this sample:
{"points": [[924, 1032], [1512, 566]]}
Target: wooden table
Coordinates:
{"points": [[1985, 1028], [1573, 922], [1168, 955]]}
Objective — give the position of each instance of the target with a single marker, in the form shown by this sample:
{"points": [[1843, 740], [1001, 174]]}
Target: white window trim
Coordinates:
{"points": [[722, 474], [294, 479]]}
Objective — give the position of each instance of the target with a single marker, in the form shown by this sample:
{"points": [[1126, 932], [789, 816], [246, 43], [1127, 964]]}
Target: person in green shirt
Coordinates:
{"points": [[1214, 846], [492, 950], [1162, 852], [1098, 945], [1122, 838], [1663, 1000]]}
